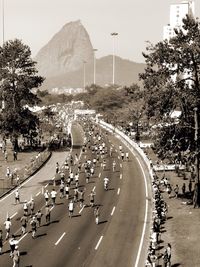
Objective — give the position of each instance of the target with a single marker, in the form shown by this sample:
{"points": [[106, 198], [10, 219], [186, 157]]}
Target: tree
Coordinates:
{"points": [[18, 75], [171, 80]]}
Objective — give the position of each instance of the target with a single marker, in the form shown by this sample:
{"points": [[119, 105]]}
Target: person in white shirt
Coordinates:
{"points": [[7, 224], [53, 196], [71, 208]]}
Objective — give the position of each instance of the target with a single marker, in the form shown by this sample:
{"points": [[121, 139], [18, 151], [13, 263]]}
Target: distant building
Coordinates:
{"points": [[177, 13]]}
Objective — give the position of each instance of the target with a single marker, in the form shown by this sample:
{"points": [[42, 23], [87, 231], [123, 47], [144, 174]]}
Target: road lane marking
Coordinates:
{"points": [[38, 194], [22, 237], [81, 209], [46, 185], [13, 215], [97, 245], [118, 157], [53, 178], [99, 174], [113, 210], [57, 242], [118, 191], [120, 175], [145, 217], [94, 188], [120, 165]]}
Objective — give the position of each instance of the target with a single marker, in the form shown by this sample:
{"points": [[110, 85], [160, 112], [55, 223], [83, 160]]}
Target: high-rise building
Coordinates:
{"points": [[177, 13]]}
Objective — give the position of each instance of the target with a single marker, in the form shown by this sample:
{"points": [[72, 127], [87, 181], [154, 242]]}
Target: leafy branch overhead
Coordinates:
{"points": [[171, 81]]}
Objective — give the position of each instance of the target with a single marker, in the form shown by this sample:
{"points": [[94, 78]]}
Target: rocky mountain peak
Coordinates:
{"points": [[66, 51]]}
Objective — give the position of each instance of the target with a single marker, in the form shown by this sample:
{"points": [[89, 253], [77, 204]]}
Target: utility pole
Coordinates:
{"points": [[113, 34], [196, 198]]}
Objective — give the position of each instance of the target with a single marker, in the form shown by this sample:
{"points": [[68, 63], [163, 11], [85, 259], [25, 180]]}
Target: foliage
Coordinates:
{"points": [[18, 76], [171, 81]]}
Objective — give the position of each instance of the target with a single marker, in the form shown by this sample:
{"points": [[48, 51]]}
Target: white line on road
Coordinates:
{"points": [[118, 157], [60, 239], [46, 185], [113, 210], [98, 243], [38, 193], [120, 165], [120, 176], [94, 188], [99, 174], [118, 191], [53, 178], [145, 217], [81, 209], [13, 215], [22, 237]]}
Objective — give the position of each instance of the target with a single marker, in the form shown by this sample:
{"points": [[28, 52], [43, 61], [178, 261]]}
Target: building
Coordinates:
{"points": [[177, 13]]}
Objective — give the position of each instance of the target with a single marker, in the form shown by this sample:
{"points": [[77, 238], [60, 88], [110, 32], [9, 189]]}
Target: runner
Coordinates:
{"points": [[16, 257], [96, 214], [25, 208], [12, 242], [127, 156], [105, 183], [47, 214], [46, 196], [81, 197], [24, 222], [122, 156], [33, 224], [67, 191], [7, 224], [76, 179], [57, 167], [71, 208], [114, 165], [62, 186], [75, 194], [39, 217], [17, 197], [32, 206], [91, 196], [53, 196]]}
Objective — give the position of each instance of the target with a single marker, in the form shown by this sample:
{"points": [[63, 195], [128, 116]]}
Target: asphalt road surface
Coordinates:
{"points": [[117, 240]]}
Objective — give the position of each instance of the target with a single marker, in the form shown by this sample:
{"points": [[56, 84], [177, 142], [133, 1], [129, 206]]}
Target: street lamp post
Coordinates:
{"points": [[3, 21], [84, 62], [95, 65], [113, 34]]}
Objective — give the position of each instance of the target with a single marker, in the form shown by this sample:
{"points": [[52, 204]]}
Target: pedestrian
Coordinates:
{"points": [[7, 224], [14, 155], [122, 156], [32, 206], [114, 165], [57, 167], [39, 217], [18, 180], [71, 208], [67, 191], [183, 189], [62, 186], [127, 156], [96, 214], [75, 194], [7, 172], [12, 242], [81, 198], [17, 197], [16, 257], [46, 196], [47, 214], [1, 241], [24, 222], [190, 186], [176, 190], [33, 224], [169, 249], [53, 196], [91, 196], [165, 258], [25, 208]]}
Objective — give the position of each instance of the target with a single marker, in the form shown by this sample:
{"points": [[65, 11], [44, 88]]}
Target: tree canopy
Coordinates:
{"points": [[171, 81], [18, 76]]}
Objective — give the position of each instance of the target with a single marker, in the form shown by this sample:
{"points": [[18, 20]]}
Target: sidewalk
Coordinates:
{"points": [[31, 187], [182, 227]]}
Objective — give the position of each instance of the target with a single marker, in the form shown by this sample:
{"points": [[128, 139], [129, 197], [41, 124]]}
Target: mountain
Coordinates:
{"points": [[66, 51], [61, 62]]}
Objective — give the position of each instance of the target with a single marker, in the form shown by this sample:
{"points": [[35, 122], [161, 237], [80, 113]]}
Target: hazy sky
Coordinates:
{"points": [[136, 21]]}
